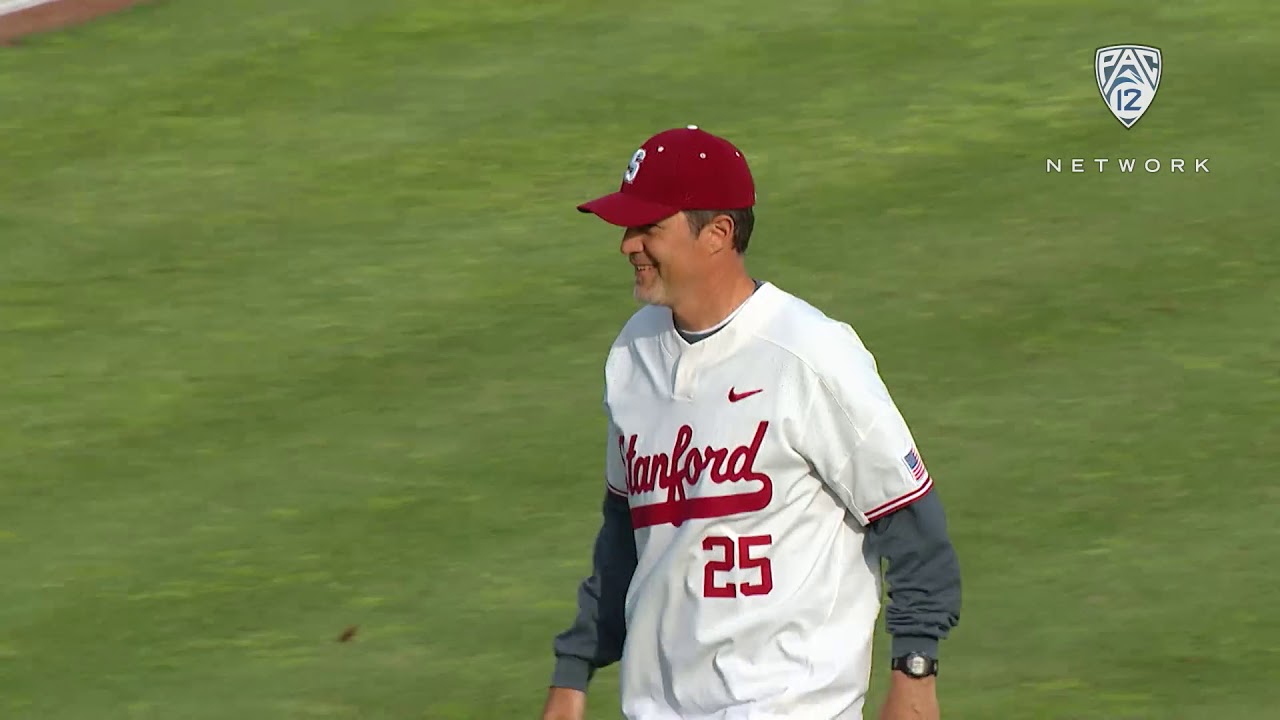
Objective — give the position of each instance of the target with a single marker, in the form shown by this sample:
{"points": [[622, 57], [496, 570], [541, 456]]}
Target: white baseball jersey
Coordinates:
{"points": [[752, 461]]}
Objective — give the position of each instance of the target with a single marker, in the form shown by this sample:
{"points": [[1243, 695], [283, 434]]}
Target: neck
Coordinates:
{"points": [[713, 302]]}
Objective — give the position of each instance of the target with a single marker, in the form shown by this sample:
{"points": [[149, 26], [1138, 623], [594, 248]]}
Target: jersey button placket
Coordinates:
{"points": [[687, 373]]}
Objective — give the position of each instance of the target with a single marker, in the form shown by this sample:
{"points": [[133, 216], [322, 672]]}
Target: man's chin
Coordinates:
{"points": [[646, 296]]}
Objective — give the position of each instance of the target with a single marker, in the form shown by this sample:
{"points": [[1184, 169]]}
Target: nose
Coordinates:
{"points": [[631, 242]]}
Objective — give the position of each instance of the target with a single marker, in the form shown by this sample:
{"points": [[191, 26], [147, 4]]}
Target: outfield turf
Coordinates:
{"points": [[299, 329]]}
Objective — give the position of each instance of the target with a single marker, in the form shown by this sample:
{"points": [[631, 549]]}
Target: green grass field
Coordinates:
{"points": [[299, 329]]}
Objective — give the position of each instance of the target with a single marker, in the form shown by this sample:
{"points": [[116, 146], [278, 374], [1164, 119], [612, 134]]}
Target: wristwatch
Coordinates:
{"points": [[916, 665]]}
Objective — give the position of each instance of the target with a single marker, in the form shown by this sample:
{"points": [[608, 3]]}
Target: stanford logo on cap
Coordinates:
{"points": [[633, 167]]}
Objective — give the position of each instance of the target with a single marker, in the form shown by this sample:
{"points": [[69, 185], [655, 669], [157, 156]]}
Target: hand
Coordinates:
{"points": [[911, 698], [565, 704]]}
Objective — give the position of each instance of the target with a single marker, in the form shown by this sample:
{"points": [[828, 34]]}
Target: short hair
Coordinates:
{"points": [[744, 220]]}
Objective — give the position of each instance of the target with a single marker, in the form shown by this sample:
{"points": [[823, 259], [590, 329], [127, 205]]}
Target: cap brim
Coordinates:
{"points": [[627, 210]]}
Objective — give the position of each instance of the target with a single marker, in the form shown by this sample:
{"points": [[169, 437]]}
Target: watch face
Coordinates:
{"points": [[917, 665]]}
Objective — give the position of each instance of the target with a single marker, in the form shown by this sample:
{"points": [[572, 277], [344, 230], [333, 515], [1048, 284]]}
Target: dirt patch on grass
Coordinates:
{"points": [[19, 18]]}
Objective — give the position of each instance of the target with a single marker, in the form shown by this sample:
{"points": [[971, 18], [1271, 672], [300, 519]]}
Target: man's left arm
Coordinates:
{"points": [[860, 445], [923, 575]]}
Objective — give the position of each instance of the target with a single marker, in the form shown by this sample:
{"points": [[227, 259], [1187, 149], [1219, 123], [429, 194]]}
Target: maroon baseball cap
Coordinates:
{"points": [[679, 169]]}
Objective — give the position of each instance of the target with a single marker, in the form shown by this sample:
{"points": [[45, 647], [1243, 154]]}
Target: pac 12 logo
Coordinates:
{"points": [[1128, 77]]}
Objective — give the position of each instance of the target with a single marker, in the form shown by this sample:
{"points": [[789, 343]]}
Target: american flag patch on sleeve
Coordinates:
{"points": [[915, 465], [923, 483]]}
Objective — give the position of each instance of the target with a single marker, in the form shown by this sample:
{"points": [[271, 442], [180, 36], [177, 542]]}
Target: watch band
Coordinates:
{"points": [[916, 665]]}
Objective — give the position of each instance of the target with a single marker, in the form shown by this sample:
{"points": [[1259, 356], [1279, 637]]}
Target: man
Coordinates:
{"points": [[757, 473]]}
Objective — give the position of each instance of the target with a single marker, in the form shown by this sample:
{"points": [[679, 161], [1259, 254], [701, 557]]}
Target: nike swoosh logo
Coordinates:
{"points": [[736, 396]]}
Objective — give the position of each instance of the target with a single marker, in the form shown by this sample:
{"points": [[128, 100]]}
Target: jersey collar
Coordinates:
{"points": [[743, 320]]}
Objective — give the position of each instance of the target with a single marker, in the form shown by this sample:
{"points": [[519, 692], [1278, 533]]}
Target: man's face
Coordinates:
{"points": [[665, 257]]}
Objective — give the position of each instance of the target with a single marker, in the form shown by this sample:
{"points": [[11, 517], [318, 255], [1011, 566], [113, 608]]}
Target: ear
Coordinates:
{"points": [[718, 234]]}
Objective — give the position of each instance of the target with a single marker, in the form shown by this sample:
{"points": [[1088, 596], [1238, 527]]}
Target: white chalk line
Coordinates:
{"points": [[12, 6]]}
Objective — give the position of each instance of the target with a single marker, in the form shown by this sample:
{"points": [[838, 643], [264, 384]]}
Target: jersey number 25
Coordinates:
{"points": [[728, 551]]}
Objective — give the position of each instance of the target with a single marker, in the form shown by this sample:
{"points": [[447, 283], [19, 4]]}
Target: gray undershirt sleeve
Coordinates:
{"points": [[595, 638], [923, 575]]}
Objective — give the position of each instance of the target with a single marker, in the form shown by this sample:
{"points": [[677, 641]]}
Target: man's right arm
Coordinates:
{"points": [[596, 637]]}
